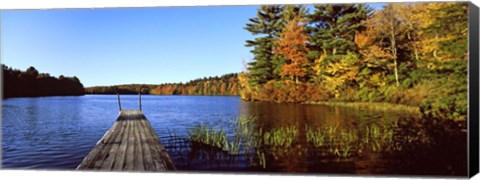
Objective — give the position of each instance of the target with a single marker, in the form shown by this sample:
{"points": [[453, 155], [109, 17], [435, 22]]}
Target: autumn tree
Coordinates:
{"points": [[292, 45], [389, 30], [289, 12], [375, 61]]}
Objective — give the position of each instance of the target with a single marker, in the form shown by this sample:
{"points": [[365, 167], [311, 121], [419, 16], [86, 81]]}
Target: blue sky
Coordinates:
{"points": [[128, 45]]}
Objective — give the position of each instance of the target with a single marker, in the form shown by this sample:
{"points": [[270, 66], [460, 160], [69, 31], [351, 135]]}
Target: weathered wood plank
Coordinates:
{"points": [[107, 164], [150, 141], [130, 145], [146, 148], [93, 155], [162, 159], [138, 160], [120, 156], [108, 144], [129, 153]]}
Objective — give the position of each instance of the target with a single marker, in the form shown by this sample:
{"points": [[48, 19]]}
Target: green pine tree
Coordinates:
{"points": [[451, 24], [333, 27], [268, 23]]}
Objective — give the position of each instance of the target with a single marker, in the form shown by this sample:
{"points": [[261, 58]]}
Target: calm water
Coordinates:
{"points": [[58, 132]]}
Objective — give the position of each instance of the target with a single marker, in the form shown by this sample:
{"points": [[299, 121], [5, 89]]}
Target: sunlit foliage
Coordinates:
{"points": [[413, 54], [226, 85]]}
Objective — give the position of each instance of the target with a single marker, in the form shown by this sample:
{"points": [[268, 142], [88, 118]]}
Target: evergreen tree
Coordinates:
{"points": [[290, 12], [269, 24], [449, 30], [333, 27]]}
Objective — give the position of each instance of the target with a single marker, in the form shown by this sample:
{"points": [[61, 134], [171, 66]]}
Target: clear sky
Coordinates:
{"points": [[128, 45]]}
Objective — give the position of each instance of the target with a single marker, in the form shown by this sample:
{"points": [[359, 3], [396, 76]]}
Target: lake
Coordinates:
{"points": [[58, 132]]}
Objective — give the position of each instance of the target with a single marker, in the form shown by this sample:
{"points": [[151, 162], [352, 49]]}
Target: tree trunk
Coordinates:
{"points": [[394, 52], [296, 77], [415, 47], [416, 53], [435, 51], [396, 71]]}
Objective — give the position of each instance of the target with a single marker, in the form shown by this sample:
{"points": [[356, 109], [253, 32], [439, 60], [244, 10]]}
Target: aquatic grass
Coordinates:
{"points": [[346, 150], [249, 140], [261, 159], [283, 136], [209, 136], [374, 131], [316, 137], [218, 138], [376, 106], [244, 126], [245, 120], [343, 142], [234, 147]]}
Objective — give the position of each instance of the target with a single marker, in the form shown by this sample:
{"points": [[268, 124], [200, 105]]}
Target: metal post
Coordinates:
{"points": [[140, 100], [119, 105]]}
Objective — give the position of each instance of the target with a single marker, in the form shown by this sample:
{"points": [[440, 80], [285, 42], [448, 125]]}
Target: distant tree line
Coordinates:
{"points": [[31, 83], [226, 85], [120, 89]]}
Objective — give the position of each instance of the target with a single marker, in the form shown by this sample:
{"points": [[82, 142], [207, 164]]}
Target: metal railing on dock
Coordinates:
{"points": [[139, 102]]}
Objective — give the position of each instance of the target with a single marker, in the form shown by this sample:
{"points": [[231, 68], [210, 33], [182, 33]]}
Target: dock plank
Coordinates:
{"points": [[130, 145], [139, 164], [129, 153], [146, 149], [107, 144], [107, 164], [93, 156], [120, 155]]}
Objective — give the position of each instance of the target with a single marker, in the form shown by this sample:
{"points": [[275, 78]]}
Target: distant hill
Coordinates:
{"points": [[31, 83]]}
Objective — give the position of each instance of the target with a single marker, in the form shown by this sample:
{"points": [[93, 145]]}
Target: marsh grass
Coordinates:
{"points": [[209, 136], [376, 106], [345, 142], [283, 136], [244, 137]]}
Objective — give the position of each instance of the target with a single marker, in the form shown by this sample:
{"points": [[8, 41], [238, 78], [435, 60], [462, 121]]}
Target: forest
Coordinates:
{"points": [[412, 54], [226, 85], [31, 83]]}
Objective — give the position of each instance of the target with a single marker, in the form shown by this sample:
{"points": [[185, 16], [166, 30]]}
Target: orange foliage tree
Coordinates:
{"points": [[292, 46]]}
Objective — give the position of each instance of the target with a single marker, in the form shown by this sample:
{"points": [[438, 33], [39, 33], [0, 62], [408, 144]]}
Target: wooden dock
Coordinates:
{"points": [[130, 145]]}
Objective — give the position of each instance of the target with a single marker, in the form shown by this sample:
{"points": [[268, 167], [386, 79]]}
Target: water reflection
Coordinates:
{"points": [[58, 132], [319, 139]]}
